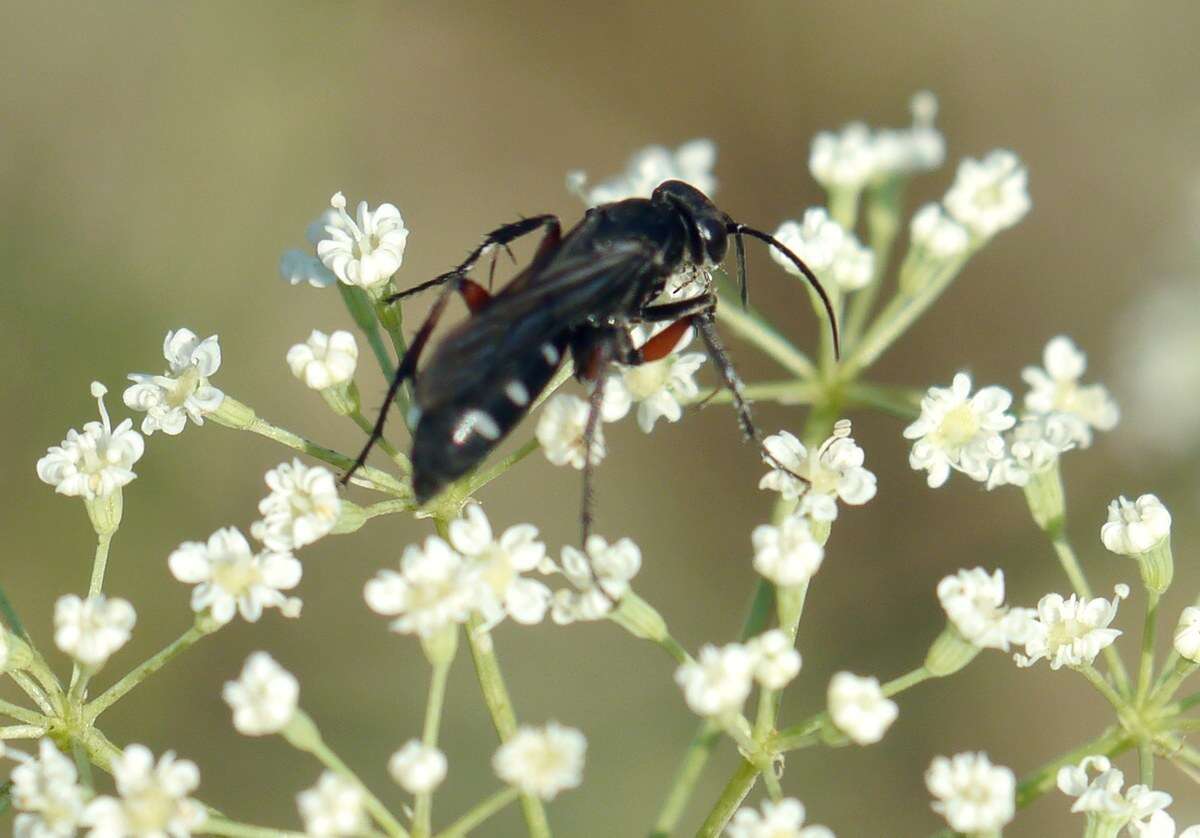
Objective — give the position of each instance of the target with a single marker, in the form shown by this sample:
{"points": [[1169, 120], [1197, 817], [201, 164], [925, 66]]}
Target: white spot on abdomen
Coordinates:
{"points": [[517, 393], [550, 353], [475, 421]]}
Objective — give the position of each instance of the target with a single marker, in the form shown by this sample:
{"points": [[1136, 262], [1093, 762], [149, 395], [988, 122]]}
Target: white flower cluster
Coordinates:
{"points": [[599, 575], [974, 603], [691, 162], [1097, 788], [91, 630], [964, 432], [323, 360], [1187, 634], [183, 391], [263, 698], [95, 463], [152, 797], [363, 252], [1071, 632], [828, 248], [821, 478], [974, 796], [856, 155], [718, 682], [302, 507], [1134, 527], [333, 808], [542, 761], [859, 708], [781, 819], [442, 583]]}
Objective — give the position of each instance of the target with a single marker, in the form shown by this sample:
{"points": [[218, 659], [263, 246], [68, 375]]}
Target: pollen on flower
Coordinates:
{"points": [[692, 162], [91, 630], [230, 579], [181, 393], [324, 360], [542, 761], [657, 387], [960, 431], [973, 795], [365, 250], [96, 462], [859, 708], [263, 698]]}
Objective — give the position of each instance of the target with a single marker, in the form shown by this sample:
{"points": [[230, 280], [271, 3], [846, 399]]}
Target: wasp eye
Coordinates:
{"points": [[712, 231]]}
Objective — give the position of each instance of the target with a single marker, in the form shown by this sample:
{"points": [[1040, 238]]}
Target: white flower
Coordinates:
{"points": [[263, 698], [843, 160], [989, 195], [776, 661], [1056, 389], [45, 794], [719, 680], [542, 761], [417, 768], [499, 563], [1134, 527], [435, 588], [834, 472], [972, 794], [153, 799], [183, 391], [230, 579], [365, 253], [1071, 632], [657, 386], [1031, 447], [601, 576], [859, 708], [296, 266], [302, 507], [1187, 634], [974, 604], [827, 248], [324, 360], [91, 630], [1101, 795], [784, 819], [691, 162], [333, 807], [918, 148], [960, 431], [560, 431], [935, 232], [94, 463], [788, 554]]}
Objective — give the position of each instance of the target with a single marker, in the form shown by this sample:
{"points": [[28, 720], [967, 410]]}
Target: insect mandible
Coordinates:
{"points": [[581, 293]]}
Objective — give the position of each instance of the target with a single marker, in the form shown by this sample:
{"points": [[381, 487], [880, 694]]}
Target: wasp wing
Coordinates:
{"points": [[493, 346]]}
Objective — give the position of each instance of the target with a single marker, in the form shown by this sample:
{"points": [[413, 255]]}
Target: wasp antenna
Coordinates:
{"points": [[804, 269], [739, 249]]}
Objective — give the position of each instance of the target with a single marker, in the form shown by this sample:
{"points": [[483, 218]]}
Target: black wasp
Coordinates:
{"points": [[581, 294]]}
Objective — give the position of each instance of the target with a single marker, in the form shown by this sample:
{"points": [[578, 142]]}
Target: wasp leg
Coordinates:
{"points": [[500, 237], [406, 370], [683, 308], [706, 326]]}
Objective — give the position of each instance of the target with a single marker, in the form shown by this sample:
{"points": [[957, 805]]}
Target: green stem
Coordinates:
{"points": [[901, 402], [373, 477], [1175, 672], [34, 692], [391, 317], [480, 813], [1146, 667], [359, 304], [897, 316], [905, 681], [147, 668], [883, 221], [1146, 763], [504, 718], [754, 329], [8, 615], [302, 733], [429, 736], [1104, 688], [734, 793], [100, 563], [222, 826], [22, 732], [21, 714], [368, 427], [789, 392]]}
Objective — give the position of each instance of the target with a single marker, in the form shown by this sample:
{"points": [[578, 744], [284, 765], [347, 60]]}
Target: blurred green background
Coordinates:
{"points": [[156, 158]]}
